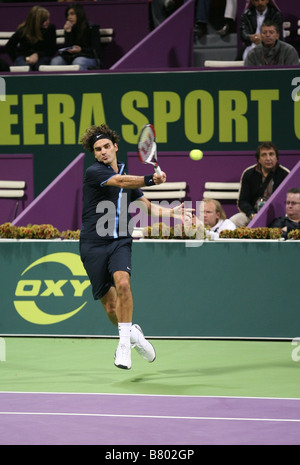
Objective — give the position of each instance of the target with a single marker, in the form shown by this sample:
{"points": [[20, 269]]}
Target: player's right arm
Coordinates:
{"points": [[127, 181]]}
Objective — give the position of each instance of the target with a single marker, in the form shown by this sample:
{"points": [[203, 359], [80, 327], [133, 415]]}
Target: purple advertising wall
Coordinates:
{"points": [[60, 203], [164, 47]]}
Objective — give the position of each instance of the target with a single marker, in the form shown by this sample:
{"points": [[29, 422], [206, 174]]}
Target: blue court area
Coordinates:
{"points": [[68, 391]]}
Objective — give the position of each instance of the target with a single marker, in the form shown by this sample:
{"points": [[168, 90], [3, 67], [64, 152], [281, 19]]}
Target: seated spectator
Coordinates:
{"points": [[291, 220], [34, 42], [214, 218], [230, 17], [82, 41], [258, 182], [201, 17], [272, 51], [255, 13]]}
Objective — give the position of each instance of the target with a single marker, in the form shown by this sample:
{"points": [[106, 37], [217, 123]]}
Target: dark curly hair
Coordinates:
{"points": [[90, 136], [266, 145]]}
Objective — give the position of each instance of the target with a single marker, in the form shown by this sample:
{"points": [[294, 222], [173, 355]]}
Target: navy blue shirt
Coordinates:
{"points": [[105, 208]]}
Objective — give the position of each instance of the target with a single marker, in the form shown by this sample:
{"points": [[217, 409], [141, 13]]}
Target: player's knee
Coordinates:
{"points": [[123, 287], [122, 284]]}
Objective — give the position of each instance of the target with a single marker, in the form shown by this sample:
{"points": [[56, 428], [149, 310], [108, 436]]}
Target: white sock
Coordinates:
{"points": [[124, 333]]}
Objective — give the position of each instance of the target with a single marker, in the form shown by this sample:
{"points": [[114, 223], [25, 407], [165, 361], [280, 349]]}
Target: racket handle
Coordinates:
{"points": [[158, 170]]}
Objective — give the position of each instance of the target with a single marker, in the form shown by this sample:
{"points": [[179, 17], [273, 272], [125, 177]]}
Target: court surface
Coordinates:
{"points": [[67, 391]]}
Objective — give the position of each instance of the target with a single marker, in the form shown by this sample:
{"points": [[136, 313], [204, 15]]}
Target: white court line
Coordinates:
{"points": [[116, 394], [162, 417]]}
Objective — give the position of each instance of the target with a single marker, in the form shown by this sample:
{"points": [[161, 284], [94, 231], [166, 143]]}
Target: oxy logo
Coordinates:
{"points": [[296, 351], [42, 296]]}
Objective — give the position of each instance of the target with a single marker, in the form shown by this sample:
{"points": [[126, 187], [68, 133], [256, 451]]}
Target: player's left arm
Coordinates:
{"points": [[179, 212]]}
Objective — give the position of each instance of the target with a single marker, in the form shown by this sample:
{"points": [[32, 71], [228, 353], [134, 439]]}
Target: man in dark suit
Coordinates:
{"points": [[256, 12]]}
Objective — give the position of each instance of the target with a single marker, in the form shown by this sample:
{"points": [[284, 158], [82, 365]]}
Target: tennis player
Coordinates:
{"points": [[105, 242]]}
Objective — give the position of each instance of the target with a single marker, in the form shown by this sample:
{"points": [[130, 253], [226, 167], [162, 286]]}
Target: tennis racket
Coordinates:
{"points": [[147, 147]]}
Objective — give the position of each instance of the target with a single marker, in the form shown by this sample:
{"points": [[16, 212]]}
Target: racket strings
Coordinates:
{"points": [[145, 145]]}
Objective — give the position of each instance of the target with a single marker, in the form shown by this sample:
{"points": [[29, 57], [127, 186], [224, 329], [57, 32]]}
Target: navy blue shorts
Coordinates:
{"points": [[101, 261]]}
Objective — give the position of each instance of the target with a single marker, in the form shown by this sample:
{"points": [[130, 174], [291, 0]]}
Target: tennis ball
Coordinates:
{"points": [[196, 154]]}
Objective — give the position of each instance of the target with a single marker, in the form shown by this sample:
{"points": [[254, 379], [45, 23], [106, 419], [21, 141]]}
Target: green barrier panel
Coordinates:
{"points": [[181, 289], [233, 289]]}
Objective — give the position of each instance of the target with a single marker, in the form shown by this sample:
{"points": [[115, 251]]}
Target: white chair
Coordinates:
{"points": [[4, 36], [19, 69], [12, 190], [106, 35], [286, 29], [48, 68], [221, 190], [223, 64], [165, 191]]}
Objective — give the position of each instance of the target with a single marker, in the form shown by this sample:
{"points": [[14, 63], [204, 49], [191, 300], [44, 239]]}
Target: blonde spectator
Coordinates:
{"points": [[214, 218], [34, 42]]}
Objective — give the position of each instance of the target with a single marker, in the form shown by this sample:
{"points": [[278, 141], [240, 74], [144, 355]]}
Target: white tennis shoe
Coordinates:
{"points": [[123, 357], [142, 346]]}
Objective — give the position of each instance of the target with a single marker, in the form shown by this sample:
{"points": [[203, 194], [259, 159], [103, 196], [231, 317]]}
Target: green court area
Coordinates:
{"points": [[183, 367]]}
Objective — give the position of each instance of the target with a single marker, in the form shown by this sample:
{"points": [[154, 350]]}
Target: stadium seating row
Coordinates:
{"points": [[106, 36]]}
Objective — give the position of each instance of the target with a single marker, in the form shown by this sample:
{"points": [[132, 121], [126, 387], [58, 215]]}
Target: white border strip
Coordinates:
{"points": [[156, 417]]}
